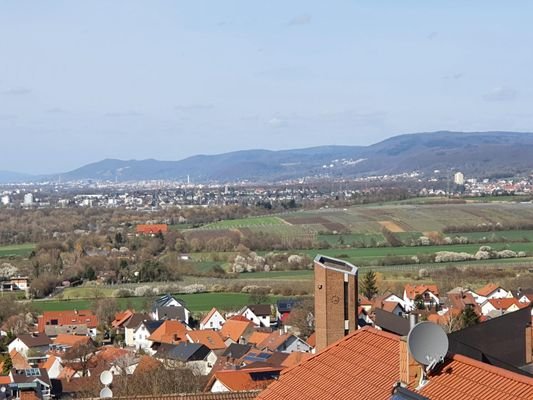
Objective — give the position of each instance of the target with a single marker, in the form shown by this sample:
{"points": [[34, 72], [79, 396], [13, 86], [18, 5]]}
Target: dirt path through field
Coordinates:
{"points": [[391, 226]]}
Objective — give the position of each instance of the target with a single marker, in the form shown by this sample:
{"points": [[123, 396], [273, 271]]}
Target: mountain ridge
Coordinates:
{"points": [[474, 153]]}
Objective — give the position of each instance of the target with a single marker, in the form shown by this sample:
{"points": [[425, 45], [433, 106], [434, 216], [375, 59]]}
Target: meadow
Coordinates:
{"points": [[18, 250], [200, 302]]}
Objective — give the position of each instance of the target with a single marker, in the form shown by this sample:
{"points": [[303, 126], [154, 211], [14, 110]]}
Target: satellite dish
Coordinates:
{"points": [[3, 389], [106, 393], [106, 377], [428, 344]]}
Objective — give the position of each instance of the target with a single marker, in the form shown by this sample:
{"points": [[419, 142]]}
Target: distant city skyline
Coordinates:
{"points": [[88, 80]]}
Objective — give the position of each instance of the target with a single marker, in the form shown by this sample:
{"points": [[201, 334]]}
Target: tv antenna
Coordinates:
{"points": [[106, 377], [428, 344]]}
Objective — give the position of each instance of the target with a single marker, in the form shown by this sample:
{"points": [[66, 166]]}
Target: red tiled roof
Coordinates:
{"points": [[244, 379], [239, 318], [258, 337], [110, 353], [465, 378], [295, 358], [82, 317], [366, 364], [311, 340], [151, 228], [18, 360], [146, 365], [170, 331], [413, 291], [208, 338], [234, 329], [71, 340], [362, 365], [505, 303], [121, 318], [248, 395], [49, 362], [487, 289], [274, 340], [5, 380]]}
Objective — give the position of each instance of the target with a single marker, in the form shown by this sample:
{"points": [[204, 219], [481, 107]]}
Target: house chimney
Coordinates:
{"points": [[413, 319], [410, 370], [336, 295]]}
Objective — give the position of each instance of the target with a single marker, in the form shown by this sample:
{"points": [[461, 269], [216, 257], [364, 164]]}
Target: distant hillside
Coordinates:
{"points": [[13, 177], [480, 154]]}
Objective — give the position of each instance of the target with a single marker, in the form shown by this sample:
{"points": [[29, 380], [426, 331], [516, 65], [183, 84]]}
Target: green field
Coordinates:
{"points": [[279, 275], [19, 250], [195, 302], [245, 222], [497, 236], [358, 239], [366, 256]]}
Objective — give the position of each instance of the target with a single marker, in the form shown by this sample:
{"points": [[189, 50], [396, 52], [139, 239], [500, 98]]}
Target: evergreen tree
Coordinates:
{"points": [[469, 317], [368, 285]]}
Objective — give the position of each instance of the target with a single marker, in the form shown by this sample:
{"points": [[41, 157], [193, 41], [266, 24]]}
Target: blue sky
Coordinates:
{"points": [[85, 80]]}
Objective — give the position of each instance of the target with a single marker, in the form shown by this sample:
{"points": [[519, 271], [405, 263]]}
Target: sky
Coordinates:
{"points": [[81, 81]]}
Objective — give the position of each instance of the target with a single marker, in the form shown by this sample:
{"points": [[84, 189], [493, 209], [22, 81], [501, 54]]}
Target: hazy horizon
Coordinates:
{"points": [[85, 81]]}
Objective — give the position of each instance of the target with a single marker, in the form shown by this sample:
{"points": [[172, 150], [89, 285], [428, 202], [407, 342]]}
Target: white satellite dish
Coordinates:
{"points": [[428, 344], [106, 393], [106, 377]]}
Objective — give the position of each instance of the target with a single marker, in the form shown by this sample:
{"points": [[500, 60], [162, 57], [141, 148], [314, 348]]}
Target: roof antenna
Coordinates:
{"points": [[428, 344]]}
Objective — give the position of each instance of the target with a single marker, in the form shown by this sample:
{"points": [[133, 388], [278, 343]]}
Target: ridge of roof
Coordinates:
{"points": [[341, 340], [492, 368]]}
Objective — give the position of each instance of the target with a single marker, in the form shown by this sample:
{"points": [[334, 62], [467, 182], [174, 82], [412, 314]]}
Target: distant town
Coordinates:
{"points": [[153, 195]]}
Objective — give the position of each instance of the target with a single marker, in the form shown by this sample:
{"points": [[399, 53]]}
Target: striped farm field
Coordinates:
{"points": [[245, 222]]}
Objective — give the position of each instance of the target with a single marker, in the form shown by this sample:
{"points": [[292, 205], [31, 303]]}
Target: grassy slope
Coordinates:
{"points": [[18, 250], [195, 302]]}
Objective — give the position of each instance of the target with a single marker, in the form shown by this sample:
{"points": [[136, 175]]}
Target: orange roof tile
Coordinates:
{"points": [[413, 291], [5, 380], [18, 360], [487, 289], [239, 318], [49, 363], [151, 228], [362, 365], [208, 338], [110, 353], [146, 364], [170, 331], [366, 364], [274, 340], [258, 337], [60, 318], [121, 318], [234, 329], [295, 358], [311, 340], [389, 306], [465, 378], [246, 378], [505, 303], [71, 340]]}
